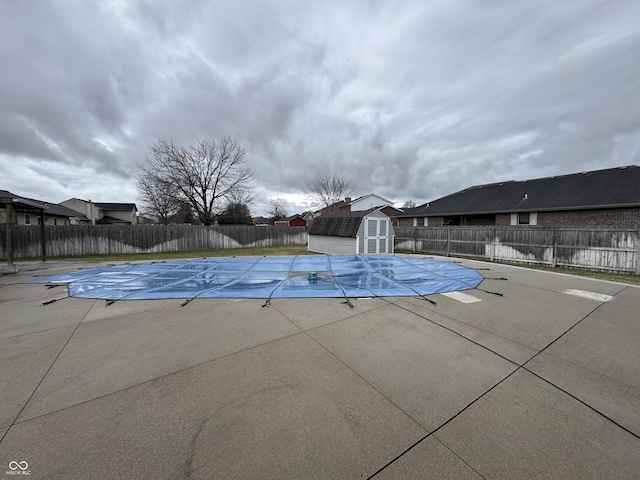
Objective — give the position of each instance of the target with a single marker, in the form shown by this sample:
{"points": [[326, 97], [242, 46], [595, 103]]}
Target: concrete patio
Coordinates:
{"points": [[542, 382]]}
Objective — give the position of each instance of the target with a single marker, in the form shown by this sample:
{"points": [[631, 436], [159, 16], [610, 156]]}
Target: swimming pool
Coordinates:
{"points": [[270, 277]]}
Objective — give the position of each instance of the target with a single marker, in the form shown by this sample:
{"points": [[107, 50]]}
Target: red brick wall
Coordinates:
{"points": [[612, 217]]}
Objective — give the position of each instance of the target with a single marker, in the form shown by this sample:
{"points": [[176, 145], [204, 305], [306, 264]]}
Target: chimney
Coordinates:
{"points": [[347, 200]]}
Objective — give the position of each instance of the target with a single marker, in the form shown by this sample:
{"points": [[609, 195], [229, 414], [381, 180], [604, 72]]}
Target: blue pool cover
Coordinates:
{"points": [[270, 277]]}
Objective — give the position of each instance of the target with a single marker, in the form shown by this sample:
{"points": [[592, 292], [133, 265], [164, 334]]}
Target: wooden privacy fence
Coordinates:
{"points": [[615, 249], [71, 240]]}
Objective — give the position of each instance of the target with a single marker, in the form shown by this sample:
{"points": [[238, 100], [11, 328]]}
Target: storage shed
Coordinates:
{"points": [[366, 232]]}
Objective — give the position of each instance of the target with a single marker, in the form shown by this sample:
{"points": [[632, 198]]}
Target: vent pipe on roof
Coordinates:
{"points": [[526, 196]]}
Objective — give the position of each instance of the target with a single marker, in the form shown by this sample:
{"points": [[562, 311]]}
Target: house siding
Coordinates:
{"points": [[332, 245]]}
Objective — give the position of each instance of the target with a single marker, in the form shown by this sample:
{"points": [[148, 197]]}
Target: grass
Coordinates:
{"points": [[302, 250], [231, 252]]}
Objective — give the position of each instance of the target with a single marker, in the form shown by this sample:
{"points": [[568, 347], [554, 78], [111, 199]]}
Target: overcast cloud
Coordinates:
{"points": [[412, 100]]}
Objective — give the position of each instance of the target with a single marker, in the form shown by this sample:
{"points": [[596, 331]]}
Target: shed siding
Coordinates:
{"points": [[332, 245]]}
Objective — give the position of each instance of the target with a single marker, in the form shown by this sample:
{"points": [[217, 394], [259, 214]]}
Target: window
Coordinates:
{"points": [[27, 219], [524, 218], [55, 221]]}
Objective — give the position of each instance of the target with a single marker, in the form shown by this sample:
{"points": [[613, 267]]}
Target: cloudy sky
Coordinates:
{"points": [[411, 100]]}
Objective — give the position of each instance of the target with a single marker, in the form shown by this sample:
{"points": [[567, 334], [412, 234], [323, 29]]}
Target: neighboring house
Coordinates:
{"points": [[294, 221], [262, 221], [365, 232], [308, 216], [367, 202], [28, 211], [339, 206], [608, 197], [105, 213]]}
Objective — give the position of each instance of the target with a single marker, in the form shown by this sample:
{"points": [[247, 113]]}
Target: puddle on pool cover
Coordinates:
{"points": [[270, 277]]}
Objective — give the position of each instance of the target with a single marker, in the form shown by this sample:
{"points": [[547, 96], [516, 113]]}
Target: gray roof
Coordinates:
{"points": [[126, 207], [339, 224], [610, 188], [62, 211], [51, 209], [288, 219]]}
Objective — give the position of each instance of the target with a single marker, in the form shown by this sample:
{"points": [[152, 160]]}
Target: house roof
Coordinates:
{"points": [[126, 207], [107, 219], [20, 202], [62, 211], [609, 188], [364, 197], [50, 209], [339, 224], [288, 219]]}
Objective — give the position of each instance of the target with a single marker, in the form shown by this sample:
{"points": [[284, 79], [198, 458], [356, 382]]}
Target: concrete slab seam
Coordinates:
{"points": [[364, 380], [151, 380], [459, 457], [446, 423], [523, 366], [46, 373], [514, 371], [352, 370], [475, 327], [329, 323], [583, 403], [455, 333]]}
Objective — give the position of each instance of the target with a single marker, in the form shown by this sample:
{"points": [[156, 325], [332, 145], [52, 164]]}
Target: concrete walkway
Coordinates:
{"points": [[542, 381]]}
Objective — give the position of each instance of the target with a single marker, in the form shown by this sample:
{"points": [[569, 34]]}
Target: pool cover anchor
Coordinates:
{"points": [[53, 301], [433, 302], [186, 302]]}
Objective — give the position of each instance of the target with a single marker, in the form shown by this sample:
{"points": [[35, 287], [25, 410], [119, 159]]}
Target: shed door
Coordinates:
{"points": [[376, 235]]}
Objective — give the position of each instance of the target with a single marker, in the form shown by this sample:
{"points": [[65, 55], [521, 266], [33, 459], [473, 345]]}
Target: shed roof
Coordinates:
{"points": [[339, 224], [609, 188]]}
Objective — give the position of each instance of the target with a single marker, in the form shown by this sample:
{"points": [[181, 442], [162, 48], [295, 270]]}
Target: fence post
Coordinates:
{"points": [[9, 247], [638, 252], [448, 240], [554, 237], [492, 243], [415, 239]]}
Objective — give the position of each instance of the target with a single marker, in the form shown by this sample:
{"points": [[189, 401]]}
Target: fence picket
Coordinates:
{"points": [[72, 240], [616, 249]]}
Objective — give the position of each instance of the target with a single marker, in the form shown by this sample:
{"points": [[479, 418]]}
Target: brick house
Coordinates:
{"points": [[294, 221], [599, 198]]}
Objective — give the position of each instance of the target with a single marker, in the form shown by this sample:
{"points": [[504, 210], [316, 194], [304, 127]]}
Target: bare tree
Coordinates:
{"points": [[278, 209], [329, 189], [409, 204], [159, 199], [204, 176]]}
